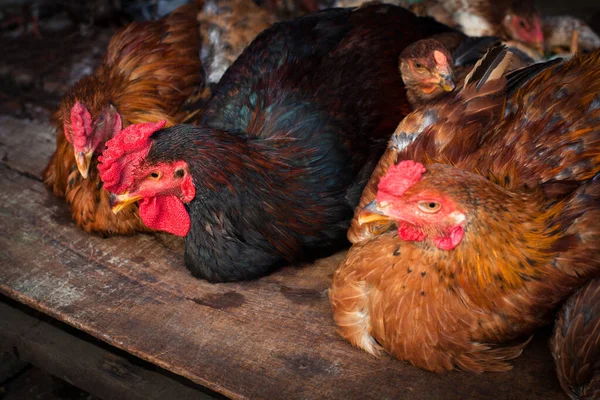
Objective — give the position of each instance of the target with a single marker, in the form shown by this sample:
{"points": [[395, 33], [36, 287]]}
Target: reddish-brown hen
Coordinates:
{"points": [[483, 250], [149, 72]]}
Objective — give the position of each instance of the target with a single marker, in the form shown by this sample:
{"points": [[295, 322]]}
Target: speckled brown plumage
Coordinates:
{"points": [[575, 343], [149, 72], [474, 307], [523, 176]]}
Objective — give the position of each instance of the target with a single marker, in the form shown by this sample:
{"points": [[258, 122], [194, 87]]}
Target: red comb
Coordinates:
{"points": [[81, 125], [123, 153], [439, 57], [400, 177]]}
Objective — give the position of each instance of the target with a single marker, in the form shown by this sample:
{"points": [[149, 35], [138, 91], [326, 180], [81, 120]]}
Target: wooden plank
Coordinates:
{"points": [[92, 368], [26, 145], [270, 338]]}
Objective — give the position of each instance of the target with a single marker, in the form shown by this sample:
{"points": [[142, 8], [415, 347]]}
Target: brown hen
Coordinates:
{"points": [[483, 250], [149, 72]]}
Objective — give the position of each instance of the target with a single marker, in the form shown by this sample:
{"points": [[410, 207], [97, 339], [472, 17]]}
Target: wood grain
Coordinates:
{"points": [[270, 338]]}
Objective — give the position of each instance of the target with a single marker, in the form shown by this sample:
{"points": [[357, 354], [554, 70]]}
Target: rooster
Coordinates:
{"points": [[575, 343], [148, 73], [493, 226], [275, 168]]}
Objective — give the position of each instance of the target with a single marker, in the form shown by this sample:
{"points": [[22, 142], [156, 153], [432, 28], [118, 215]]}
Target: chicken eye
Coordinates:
{"points": [[155, 174], [522, 24], [419, 66], [429, 207]]}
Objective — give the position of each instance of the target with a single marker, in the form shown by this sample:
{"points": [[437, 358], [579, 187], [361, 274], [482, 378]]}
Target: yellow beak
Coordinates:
{"points": [[371, 213], [120, 201], [84, 161], [447, 82]]}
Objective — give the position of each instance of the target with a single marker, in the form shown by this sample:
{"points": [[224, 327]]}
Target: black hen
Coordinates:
{"points": [[284, 149]]}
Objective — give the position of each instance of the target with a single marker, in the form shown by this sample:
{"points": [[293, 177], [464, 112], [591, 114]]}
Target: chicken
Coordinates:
{"points": [[457, 120], [575, 343], [274, 170], [226, 28], [429, 70], [148, 73], [509, 19], [493, 224], [558, 33]]}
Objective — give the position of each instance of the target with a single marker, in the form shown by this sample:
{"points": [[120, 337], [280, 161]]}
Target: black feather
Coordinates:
{"points": [[290, 138], [472, 49], [519, 77]]}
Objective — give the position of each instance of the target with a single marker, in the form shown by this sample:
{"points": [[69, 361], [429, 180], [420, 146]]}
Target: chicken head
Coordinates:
{"points": [[87, 134]]}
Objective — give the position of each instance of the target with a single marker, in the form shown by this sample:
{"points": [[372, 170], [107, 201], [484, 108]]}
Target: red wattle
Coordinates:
{"points": [[409, 233], [165, 213], [449, 242]]}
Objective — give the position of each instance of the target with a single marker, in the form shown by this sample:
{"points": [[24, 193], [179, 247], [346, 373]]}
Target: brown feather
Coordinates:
{"points": [[575, 343]]}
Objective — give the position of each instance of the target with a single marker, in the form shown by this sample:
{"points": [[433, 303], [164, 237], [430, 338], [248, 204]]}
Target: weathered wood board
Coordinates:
{"points": [[270, 338]]}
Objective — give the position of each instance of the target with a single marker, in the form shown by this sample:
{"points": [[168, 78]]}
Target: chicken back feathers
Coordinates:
{"points": [[292, 132], [524, 233], [148, 73]]}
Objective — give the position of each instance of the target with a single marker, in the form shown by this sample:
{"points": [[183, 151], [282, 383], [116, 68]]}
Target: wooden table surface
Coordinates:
{"points": [[270, 338]]}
